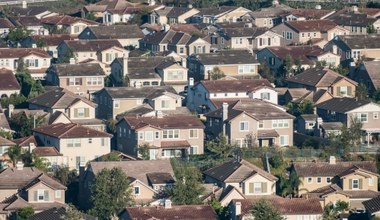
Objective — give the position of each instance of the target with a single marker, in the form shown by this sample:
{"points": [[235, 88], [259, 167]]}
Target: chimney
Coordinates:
{"points": [[10, 110], [32, 146], [19, 165], [168, 204], [159, 114], [237, 208], [72, 60], [125, 65], [332, 160], [24, 4], [225, 111]]}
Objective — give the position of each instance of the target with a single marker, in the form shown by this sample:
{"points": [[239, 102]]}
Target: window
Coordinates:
{"points": [[165, 103], [265, 95], [193, 150], [90, 140], [319, 179], [58, 194], [75, 81], [280, 123], [284, 140], [261, 124], [181, 50], [289, 35], [136, 190], [154, 83], [104, 143], [363, 117], [355, 184], [149, 135], [370, 181], [170, 134], [175, 75], [116, 103], [272, 61], [31, 63], [309, 179], [80, 113], [141, 135], [257, 188], [157, 135], [40, 195], [375, 115], [328, 179], [94, 81], [246, 69], [146, 83], [243, 126], [73, 143], [193, 133]]}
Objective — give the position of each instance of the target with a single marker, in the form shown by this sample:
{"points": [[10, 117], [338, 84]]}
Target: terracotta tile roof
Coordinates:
{"points": [[286, 206], [323, 191], [216, 10], [160, 178], [175, 144], [30, 10], [187, 28], [228, 86], [342, 105], [131, 92], [218, 103], [236, 171], [311, 25], [273, 11], [362, 194], [359, 41], [8, 80], [26, 141], [92, 45], [16, 202], [307, 169], [136, 169], [52, 40], [72, 130], [183, 212], [22, 52], [372, 205], [166, 122], [66, 20], [352, 19], [46, 151]]}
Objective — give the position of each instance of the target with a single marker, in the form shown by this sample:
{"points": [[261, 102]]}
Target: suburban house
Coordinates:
{"points": [[36, 61], [182, 43], [350, 110], [355, 22], [30, 23], [239, 179], [352, 182], [114, 101], [232, 63], [372, 208], [8, 83], [5, 26], [38, 11], [67, 24], [49, 43], [169, 211], [172, 15], [289, 208], [306, 123], [207, 96], [66, 107], [367, 74], [81, 79], [127, 35], [220, 14], [5, 144], [316, 13], [77, 144], [166, 135], [308, 56], [23, 187], [354, 47], [269, 17], [58, 213], [314, 79], [147, 179], [251, 122], [301, 32]]}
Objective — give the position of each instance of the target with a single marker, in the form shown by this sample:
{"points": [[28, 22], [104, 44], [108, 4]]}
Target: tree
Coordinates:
{"points": [[339, 69], [15, 154], [216, 73], [361, 92], [113, 156], [41, 43], [111, 186], [6, 134], [143, 151], [23, 124], [16, 35], [306, 107], [288, 66], [331, 211], [188, 187], [371, 29], [73, 213], [219, 148], [65, 175], [40, 163], [24, 213], [265, 72], [29, 87], [264, 210], [290, 185], [90, 16]]}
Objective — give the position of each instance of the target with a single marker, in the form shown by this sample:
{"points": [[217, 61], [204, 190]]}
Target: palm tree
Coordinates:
{"points": [[14, 153]]}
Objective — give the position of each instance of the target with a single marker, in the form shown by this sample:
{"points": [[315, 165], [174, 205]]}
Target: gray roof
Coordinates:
{"points": [[92, 45], [227, 57], [274, 11], [361, 41], [132, 92], [244, 32], [82, 69], [332, 126], [309, 117], [342, 105], [177, 11], [352, 19], [116, 31], [136, 169], [215, 10], [372, 68]]}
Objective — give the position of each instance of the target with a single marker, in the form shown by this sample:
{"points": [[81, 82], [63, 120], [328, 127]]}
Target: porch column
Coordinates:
{"points": [[368, 137]]}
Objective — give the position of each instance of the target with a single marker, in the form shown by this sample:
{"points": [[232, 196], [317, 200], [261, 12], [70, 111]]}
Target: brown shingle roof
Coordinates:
{"points": [[6, 142], [82, 69], [22, 52], [306, 169], [46, 151], [116, 31], [54, 39], [5, 23], [226, 57], [297, 52], [72, 130], [160, 178], [92, 45], [311, 13], [342, 105], [8, 80], [66, 20], [166, 122], [26, 141], [226, 86], [311, 25], [183, 212]]}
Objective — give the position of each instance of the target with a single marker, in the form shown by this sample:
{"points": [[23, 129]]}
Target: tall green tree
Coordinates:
{"points": [[16, 35], [361, 92], [111, 193], [65, 175], [219, 148], [143, 151], [331, 211], [288, 66], [306, 107], [289, 185], [264, 210], [15, 154], [23, 124], [29, 87], [24, 213], [216, 73]]}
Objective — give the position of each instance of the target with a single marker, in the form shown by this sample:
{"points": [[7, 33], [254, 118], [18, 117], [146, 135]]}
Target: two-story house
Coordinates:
{"points": [[315, 79], [172, 15], [316, 13], [302, 32], [240, 179], [139, 172], [207, 96], [350, 110], [166, 135], [231, 63], [67, 24], [352, 182], [271, 16], [81, 79], [127, 35], [366, 73], [30, 23], [23, 187], [251, 122], [113, 101], [35, 60], [77, 144], [355, 22], [220, 14]]}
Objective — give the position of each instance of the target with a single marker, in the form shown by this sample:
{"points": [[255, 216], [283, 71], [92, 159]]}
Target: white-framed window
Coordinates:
{"points": [[40, 195], [257, 188], [261, 124], [193, 150], [170, 134], [175, 75], [149, 135], [58, 194], [244, 126], [193, 133], [116, 103], [103, 143], [355, 184], [141, 135], [375, 115], [284, 140], [81, 112], [136, 190], [310, 180], [370, 181], [165, 103], [265, 95], [157, 135], [94, 81], [363, 117], [246, 68], [289, 35], [73, 142], [73, 81], [328, 179], [90, 140], [280, 123], [319, 179]]}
